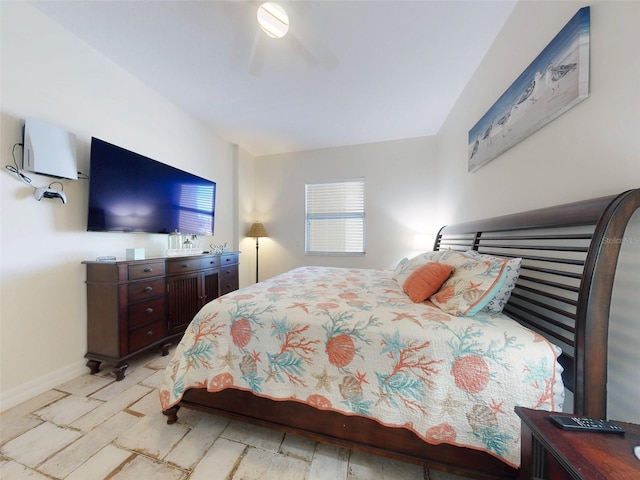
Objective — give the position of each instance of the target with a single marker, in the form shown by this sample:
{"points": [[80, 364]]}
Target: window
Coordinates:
{"points": [[335, 217]]}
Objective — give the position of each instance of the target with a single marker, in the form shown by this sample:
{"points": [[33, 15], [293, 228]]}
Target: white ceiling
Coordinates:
{"points": [[349, 72]]}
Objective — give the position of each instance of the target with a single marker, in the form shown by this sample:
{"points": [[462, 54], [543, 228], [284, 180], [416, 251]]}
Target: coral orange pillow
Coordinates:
{"points": [[426, 280]]}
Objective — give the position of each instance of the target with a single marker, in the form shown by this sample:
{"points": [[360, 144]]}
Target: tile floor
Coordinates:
{"points": [[95, 428]]}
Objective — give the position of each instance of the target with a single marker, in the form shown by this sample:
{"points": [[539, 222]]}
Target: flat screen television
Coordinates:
{"points": [[132, 193]]}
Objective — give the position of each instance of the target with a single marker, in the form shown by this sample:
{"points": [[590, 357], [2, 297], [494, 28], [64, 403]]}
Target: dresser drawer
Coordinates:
{"points": [[146, 335], [146, 270], [140, 291], [146, 312], [228, 259], [183, 265], [228, 271], [229, 283], [228, 279], [209, 262]]}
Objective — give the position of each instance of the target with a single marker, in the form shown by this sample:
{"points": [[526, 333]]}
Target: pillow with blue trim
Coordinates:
{"points": [[472, 284], [497, 303]]}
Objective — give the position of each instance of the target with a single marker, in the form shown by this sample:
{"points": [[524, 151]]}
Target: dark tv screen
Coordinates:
{"points": [[132, 193]]}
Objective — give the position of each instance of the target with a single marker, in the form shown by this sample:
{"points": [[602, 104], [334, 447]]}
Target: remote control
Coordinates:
{"points": [[585, 424]]}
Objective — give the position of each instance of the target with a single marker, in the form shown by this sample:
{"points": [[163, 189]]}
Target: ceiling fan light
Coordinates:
{"points": [[273, 19]]}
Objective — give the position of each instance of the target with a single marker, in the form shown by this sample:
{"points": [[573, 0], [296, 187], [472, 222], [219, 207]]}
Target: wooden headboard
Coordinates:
{"points": [[570, 254]]}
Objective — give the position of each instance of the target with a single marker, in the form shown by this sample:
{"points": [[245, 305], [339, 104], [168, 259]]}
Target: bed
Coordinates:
{"points": [[346, 356]]}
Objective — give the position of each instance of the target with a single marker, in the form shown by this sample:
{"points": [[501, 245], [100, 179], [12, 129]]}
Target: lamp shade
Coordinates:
{"points": [[257, 230]]}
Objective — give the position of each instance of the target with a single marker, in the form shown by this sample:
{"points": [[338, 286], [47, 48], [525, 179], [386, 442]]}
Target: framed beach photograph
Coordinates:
{"points": [[554, 82]]}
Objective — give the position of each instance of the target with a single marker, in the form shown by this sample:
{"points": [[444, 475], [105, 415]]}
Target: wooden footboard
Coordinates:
{"points": [[354, 432], [564, 292]]}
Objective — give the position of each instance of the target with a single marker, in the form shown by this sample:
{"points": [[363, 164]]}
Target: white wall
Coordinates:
{"points": [[624, 358], [591, 150], [416, 185], [53, 76], [401, 199], [245, 188]]}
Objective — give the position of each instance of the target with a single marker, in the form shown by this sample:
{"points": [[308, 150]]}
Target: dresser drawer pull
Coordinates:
{"points": [[149, 310], [148, 289], [148, 269], [150, 333], [212, 262], [227, 259], [185, 265]]}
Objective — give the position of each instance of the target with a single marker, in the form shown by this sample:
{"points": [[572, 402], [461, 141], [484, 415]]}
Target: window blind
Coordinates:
{"points": [[335, 217]]}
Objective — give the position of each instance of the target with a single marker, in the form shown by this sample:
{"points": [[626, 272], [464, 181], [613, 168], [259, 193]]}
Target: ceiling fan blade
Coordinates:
{"points": [[258, 53], [301, 49], [308, 41], [246, 51], [319, 50]]}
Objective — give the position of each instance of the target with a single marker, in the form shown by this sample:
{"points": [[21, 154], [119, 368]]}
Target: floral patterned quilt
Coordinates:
{"points": [[352, 341]]}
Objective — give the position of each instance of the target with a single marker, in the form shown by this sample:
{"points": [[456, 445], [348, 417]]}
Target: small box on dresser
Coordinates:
{"points": [[135, 254]]}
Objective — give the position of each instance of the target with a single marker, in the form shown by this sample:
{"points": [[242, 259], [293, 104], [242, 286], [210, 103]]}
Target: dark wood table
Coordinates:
{"points": [[555, 454]]}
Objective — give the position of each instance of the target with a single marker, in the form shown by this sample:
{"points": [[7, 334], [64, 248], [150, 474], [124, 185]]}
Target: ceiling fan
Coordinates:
{"points": [[275, 23]]}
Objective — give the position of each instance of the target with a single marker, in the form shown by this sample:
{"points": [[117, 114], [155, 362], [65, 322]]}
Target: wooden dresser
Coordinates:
{"points": [[137, 305]]}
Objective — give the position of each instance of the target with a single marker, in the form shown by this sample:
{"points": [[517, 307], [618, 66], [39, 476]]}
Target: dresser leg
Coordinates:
{"points": [[94, 366], [165, 349], [119, 371]]}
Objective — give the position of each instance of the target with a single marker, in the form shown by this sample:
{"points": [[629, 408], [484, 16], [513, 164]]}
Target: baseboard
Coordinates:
{"points": [[40, 385]]}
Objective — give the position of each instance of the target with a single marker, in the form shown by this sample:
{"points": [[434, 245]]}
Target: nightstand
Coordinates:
{"points": [[554, 454]]}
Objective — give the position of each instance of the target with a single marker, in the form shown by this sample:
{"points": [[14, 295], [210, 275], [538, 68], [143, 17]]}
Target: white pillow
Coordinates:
{"points": [[497, 303]]}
